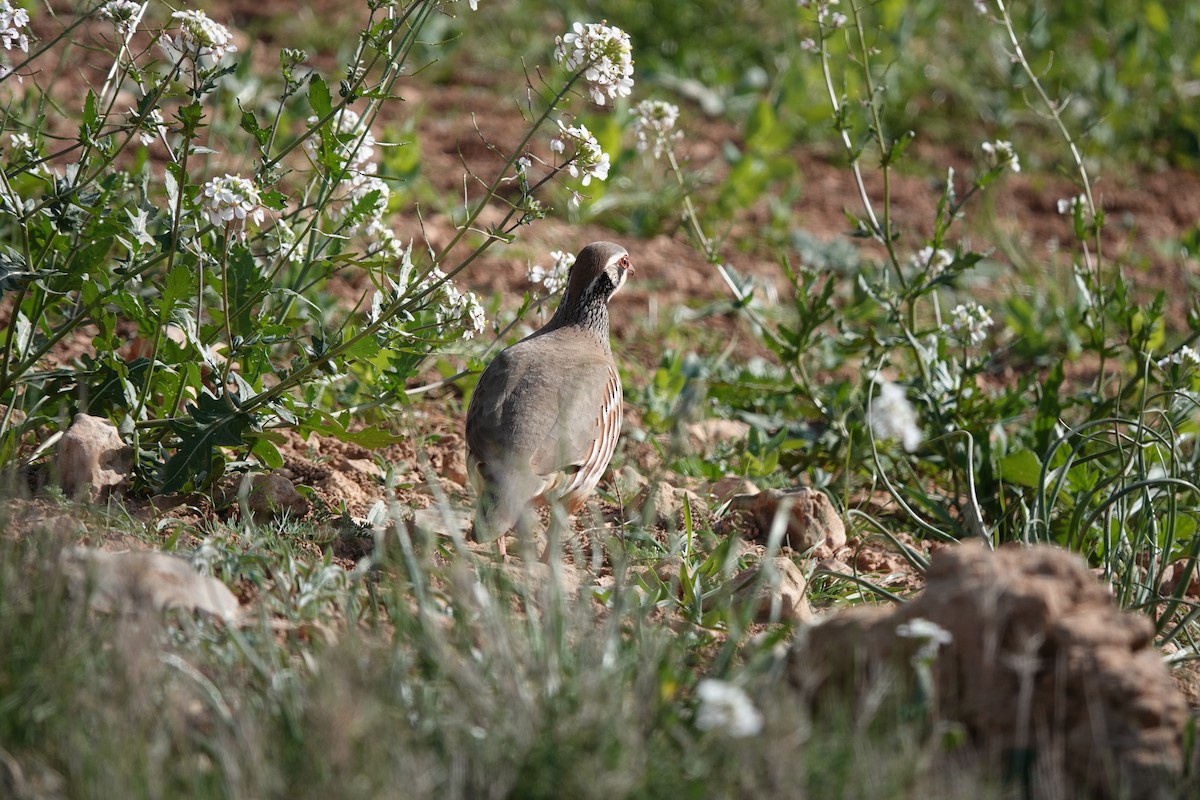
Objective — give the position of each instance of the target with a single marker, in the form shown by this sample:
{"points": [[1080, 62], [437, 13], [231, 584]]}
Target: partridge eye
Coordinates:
{"points": [[625, 262]]}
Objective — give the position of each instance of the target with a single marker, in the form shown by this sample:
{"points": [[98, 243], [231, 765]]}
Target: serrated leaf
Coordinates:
{"points": [[247, 284], [250, 125], [274, 200], [180, 284], [364, 349], [213, 423], [1022, 468]]}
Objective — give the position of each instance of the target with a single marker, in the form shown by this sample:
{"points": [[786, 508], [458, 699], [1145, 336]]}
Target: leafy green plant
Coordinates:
{"points": [[204, 294]]}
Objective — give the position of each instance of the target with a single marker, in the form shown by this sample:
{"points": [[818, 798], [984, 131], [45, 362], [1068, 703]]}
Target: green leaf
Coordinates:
{"points": [[364, 349], [247, 285], [215, 422], [318, 96], [264, 450], [1048, 409], [179, 285], [1022, 468], [90, 121], [250, 126], [370, 437]]}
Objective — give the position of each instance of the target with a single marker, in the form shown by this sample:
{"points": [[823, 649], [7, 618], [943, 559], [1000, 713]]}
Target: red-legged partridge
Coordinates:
{"points": [[546, 414]]}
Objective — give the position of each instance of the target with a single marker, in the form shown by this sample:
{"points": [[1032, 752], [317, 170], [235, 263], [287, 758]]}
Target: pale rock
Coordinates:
{"points": [[781, 595], [728, 487], [131, 583], [1036, 662], [812, 521], [92, 459], [663, 504], [363, 465], [711, 431]]}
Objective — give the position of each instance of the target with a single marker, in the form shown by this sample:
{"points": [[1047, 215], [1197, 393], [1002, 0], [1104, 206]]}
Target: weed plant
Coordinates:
{"points": [[191, 223]]}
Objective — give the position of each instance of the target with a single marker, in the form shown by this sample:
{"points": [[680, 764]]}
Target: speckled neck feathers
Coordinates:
{"points": [[588, 310]]}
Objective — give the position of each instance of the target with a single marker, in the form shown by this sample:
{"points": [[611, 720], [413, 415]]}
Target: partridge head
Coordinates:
{"points": [[544, 419]]}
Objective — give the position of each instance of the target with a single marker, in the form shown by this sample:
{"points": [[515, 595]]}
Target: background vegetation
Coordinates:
{"points": [[936, 361]]}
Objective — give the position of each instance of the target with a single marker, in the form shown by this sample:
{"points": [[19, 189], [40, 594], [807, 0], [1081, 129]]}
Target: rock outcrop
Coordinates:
{"points": [[1042, 671]]}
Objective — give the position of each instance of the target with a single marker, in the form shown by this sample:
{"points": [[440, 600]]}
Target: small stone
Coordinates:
{"points": [[131, 583], [711, 431], [92, 459], [629, 481], [272, 496], [363, 465], [663, 504], [728, 487], [812, 520], [779, 597]]}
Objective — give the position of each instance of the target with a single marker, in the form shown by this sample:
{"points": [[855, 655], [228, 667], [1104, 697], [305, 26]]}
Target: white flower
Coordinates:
{"points": [[727, 708], [1001, 154], [654, 124], [523, 163], [1068, 205], [1185, 355], [199, 36], [930, 635], [14, 27], [231, 200], [554, 277], [981, 6], [458, 308], [352, 142], [893, 417], [557, 145], [971, 322], [604, 53], [149, 128], [291, 247], [936, 261], [383, 242], [22, 143], [589, 160], [124, 15]]}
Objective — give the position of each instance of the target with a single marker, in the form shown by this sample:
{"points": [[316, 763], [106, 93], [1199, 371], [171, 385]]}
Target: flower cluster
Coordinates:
{"points": [[825, 16], [970, 323], [934, 261], [123, 14], [654, 125], [605, 55], [149, 128], [352, 142], [1070, 205], [893, 417], [229, 201], [199, 37], [1185, 355], [1000, 154], [554, 277], [725, 707], [14, 32], [14, 27], [457, 307], [22, 144], [589, 160]]}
